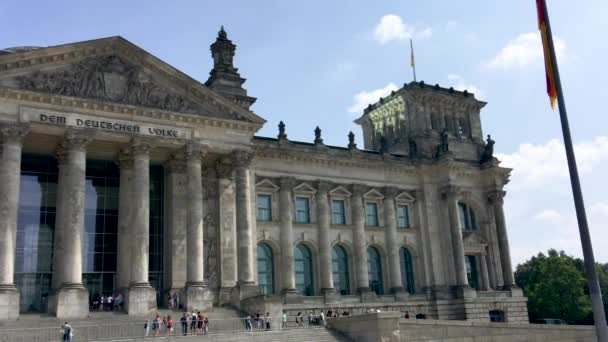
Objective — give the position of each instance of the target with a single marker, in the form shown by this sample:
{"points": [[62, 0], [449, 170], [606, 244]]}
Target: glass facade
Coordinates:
{"points": [[265, 269], [100, 227], [407, 270], [264, 208], [155, 268], [374, 271], [302, 210], [371, 211], [35, 231], [303, 270], [338, 212], [339, 265], [403, 217]]}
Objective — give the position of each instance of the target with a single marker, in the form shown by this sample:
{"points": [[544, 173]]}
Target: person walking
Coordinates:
{"points": [[267, 319], [284, 324], [323, 321], [299, 320], [146, 327], [248, 326], [68, 332], [169, 325]]}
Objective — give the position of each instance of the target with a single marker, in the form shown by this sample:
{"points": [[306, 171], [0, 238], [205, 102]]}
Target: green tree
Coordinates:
{"points": [[554, 287]]}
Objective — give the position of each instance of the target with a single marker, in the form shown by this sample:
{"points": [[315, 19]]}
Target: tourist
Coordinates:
{"points": [[284, 324], [164, 326], [322, 317], [248, 326], [109, 300], [407, 315], [118, 302], [170, 301], [205, 324], [184, 322], [146, 327], [193, 323], [310, 319], [300, 320], [199, 323], [169, 325], [175, 300], [68, 332], [267, 318], [329, 312], [102, 302], [155, 322]]}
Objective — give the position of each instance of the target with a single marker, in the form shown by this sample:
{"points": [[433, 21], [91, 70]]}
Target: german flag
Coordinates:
{"points": [[549, 71]]}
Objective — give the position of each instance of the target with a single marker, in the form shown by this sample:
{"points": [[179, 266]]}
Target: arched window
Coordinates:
{"points": [[303, 270], [374, 270], [466, 214], [339, 265], [265, 268], [407, 270]]}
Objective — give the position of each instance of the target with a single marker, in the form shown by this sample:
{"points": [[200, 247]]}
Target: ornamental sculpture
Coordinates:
{"points": [[488, 151]]}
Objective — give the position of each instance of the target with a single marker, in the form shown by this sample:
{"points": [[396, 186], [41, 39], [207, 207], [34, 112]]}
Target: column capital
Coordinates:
{"points": [[323, 187], [195, 151], [287, 183], [224, 167], [141, 146], [242, 158], [390, 193], [359, 189], [175, 164], [125, 159], [450, 192], [496, 196], [13, 132], [77, 138]]}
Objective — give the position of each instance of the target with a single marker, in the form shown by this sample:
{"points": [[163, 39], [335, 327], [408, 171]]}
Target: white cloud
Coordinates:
{"points": [[342, 71], [451, 25], [459, 83], [392, 28], [524, 50], [549, 216], [538, 165], [364, 98]]}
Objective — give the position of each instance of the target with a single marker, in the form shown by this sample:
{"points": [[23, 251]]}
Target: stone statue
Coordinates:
{"points": [[351, 140], [318, 139], [282, 135], [488, 150], [443, 147]]}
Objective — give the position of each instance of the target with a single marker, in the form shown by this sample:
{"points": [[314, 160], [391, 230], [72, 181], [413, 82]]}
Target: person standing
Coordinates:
{"points": [[267, 319], [284, 325], [175, 300], [169, 325], [248, 325], [67, 332], [146, 327], [323, 322], [184, 322]]}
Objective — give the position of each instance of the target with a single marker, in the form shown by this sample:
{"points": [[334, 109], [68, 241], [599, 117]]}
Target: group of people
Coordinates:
{"points": [[109, 302], [158, 325], [258, 321], [319, 319], [195, 323], [173, 300]]}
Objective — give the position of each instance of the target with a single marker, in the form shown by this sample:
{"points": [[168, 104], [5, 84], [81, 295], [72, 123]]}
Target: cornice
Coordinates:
{"points": [[77, 103]]}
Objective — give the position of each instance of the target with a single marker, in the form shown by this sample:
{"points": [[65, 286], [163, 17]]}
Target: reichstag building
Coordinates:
{"points": [[122, 174]]}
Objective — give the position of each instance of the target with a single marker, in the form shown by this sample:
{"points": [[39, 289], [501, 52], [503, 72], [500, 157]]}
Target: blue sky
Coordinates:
{"points": [[317, 62]]}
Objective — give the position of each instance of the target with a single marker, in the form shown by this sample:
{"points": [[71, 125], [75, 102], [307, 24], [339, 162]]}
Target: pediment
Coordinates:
{"points": [[305, 188], [114, 70], [373, 194], [340, 191], [267, 185], [472, 239], [405, 197]]}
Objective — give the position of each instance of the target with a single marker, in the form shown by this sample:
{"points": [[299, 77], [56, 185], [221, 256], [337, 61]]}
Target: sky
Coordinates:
{"points": [[320, 63]]}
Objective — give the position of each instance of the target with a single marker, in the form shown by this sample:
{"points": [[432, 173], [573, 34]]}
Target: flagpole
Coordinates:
{"points": [[412, 62], [589, 260]]}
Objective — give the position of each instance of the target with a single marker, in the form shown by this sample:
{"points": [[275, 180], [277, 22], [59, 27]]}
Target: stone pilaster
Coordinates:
{"points": [[390, 231], [496, 198], [227, 228], [450, 195], [246, 286], [288, 281], [359, 239], [141, 299], [11, 136], [485, 279], [70, 299], [197, 294], [325, 262], [125, 200]]}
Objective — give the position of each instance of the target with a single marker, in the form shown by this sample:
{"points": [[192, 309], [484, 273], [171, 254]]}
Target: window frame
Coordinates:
{"points": [[257, 206], [467, 219], [407, 222], [307, 210], [340, 193], [334, 213], [376, 218]]}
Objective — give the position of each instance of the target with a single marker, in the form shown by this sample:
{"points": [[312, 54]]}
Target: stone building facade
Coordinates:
{"points": [[120, 174]]}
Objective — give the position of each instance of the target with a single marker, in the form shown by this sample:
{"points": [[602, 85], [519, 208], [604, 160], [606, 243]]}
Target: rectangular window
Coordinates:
{"points": [[338, 215], [302, 210], [472, 274], [371, 210], [264, 208], [403, 217], [463, 216]]}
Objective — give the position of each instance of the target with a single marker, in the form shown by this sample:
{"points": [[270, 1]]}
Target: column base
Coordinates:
{"points": [[464, 291], [9, 303], [366, 294], [69, 301], [400, 294], [198, 298], [140, 300], [291, 296], [330, 295], [243, 290]]}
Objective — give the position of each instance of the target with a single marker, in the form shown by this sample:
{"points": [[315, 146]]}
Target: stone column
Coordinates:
{"points": [[10, 175], [359, 239], [497, 199], [196, 289], [325, 262], [392, 248], [125, 200], [485, 279], [227, 228], [288, 280], [244, 235], [142, 297], [70, 299], [450, 195]]}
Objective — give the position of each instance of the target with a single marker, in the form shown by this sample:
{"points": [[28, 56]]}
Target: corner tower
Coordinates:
{"points": [[224, 78], [412, 121]]}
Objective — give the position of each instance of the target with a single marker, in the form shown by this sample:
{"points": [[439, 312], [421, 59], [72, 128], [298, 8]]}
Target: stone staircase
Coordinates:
{"points": [[288, 335]]}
